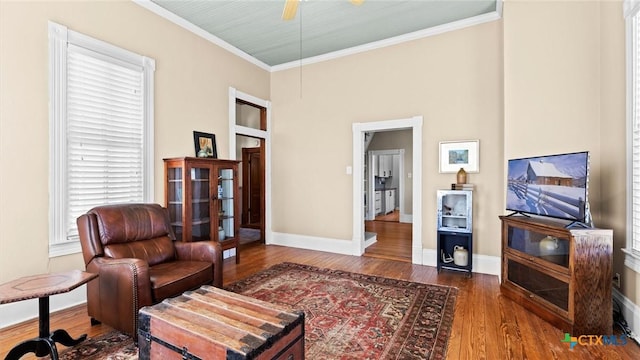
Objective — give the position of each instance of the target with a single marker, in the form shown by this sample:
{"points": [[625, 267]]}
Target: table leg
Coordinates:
{"points": [[33, 345], [45, 343], [63, 337], [43, 327]]}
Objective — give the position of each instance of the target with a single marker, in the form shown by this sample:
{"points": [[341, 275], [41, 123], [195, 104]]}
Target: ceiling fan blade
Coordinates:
{"points": [[290, 9]]}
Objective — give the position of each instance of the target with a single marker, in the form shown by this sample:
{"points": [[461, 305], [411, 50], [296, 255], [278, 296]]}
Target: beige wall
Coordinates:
{"points": [[565, 91], [453, 80], [191, 93]]}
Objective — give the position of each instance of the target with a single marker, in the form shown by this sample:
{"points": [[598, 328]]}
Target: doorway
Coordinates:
{"points": [[250, 143], [385, 189], [386, 235], [252, 187], [414, 178]]}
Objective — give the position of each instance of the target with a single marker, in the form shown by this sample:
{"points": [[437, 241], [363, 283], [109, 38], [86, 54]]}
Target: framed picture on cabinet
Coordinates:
{"points": [[459, 154], [205, 145]]}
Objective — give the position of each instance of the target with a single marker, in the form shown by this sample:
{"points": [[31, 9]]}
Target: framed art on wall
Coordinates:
{"points": [[459, 154], [205, 145]]}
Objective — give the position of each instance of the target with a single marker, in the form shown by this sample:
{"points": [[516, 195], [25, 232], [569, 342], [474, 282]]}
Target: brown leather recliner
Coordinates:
{"points": [[133, 249]]}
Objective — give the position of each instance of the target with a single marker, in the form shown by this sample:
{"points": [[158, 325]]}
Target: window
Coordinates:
{"points": [[101, 130], [632, 14]]}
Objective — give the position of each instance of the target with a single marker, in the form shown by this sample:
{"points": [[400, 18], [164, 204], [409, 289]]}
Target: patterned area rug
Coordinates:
{"points": [[356, 316], [110, 346], [347, 315]]}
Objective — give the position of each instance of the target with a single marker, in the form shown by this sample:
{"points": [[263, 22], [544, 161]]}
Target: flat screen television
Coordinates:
{"points": [[553, 185]]}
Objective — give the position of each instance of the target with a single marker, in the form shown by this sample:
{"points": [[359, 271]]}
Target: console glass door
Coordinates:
{"points": [[534, 244]]}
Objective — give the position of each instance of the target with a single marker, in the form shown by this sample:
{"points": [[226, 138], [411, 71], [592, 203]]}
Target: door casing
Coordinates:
{"points": [[264, 134], [359, 129]]}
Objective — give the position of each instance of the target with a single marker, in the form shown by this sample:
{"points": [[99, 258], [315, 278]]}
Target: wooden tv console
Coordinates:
{"points": [[562, 275]]}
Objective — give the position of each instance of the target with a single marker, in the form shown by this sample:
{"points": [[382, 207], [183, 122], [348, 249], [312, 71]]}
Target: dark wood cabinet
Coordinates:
{"points": [[562, 275], [202, 196]]}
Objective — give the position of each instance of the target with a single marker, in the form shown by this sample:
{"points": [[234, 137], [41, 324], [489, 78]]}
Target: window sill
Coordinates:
{"points": [[632, 259], [63, 249]]}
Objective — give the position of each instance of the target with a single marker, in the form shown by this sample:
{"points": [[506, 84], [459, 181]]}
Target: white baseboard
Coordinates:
{"points": [[485, 264], [228, 253], [337, 246], [630, 311], [370, 241], [430, 257], [17, 312], [482, 264]]}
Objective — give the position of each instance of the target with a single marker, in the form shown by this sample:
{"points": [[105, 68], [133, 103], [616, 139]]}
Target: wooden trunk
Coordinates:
{"points": [[211, 323]]}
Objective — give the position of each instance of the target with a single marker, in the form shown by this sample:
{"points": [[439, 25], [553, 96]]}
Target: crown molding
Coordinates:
{"points": [[162, 12], [436, 30]]}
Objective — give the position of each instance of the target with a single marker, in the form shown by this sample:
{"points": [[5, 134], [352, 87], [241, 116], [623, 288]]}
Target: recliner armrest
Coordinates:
{"points": [[121, 284], [126, 274], [209, 251]]}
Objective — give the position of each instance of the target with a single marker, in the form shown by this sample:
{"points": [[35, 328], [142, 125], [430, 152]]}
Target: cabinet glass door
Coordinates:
{"points": [[225, 208], [175, 193], [543, 246], [539, 283], [454, 210], [200, 204]]}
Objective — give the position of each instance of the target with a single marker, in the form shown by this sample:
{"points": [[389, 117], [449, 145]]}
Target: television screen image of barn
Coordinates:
{"points": [[554, 185]]}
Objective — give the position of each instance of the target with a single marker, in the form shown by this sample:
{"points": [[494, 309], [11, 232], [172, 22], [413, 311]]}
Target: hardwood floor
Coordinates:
{"points": [[486, 324], [392, 216], [393, 240]]}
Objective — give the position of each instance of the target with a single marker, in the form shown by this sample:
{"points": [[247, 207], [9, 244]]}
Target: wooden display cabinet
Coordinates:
{"points": [[202, 196], [562, 275]]}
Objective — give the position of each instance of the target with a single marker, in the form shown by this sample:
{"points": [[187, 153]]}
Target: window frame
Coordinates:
{"points": [[631, 10], [60, 37]]}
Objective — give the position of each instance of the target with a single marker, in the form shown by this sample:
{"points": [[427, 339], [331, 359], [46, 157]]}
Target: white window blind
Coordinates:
{"points": [[101, 101], [104, 133], [635, 132]]}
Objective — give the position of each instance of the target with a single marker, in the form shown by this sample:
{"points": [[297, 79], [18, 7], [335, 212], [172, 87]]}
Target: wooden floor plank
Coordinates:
{"points": [[393, 216], [458, 326], [393, 240], [511, 337], [534, 345], [551, 339], [478, 323], [491, 318]]}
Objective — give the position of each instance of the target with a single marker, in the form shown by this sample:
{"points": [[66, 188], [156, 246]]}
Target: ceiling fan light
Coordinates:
{"points": [[357, 2], [290, 9]]}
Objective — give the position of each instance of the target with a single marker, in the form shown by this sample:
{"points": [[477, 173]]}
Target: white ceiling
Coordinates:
{"points": [[320, 27]]}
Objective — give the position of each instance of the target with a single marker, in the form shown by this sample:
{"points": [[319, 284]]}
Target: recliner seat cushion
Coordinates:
{"points": [[173, 278]]}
